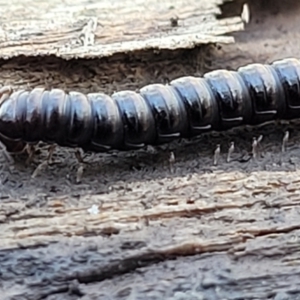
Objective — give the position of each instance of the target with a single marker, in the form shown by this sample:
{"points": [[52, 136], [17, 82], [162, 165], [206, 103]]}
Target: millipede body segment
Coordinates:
{"points": [[157, 114]]}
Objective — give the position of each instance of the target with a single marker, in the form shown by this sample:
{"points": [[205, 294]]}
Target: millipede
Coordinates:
{"points": [[156, 114]]}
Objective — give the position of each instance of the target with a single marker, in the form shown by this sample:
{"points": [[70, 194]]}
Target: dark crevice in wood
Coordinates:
{"points": [[145, 66]]}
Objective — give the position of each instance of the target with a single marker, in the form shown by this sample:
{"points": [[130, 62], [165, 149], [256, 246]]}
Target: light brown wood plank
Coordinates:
{"points": [[86, 29]]}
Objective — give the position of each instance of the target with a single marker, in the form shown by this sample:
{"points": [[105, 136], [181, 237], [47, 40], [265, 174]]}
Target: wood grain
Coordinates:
{"points": [[137, 227], [86, 29]]}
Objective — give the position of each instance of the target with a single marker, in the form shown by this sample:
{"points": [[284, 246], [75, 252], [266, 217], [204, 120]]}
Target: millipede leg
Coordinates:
{"points": [[285, 141], [79, 173], [81, 167], [217, 154], [259, 139], [42, 166], [79, 156], [50, 153], [230, 151], [172, 161], [254, 148], [9, 158], [30, 151]]}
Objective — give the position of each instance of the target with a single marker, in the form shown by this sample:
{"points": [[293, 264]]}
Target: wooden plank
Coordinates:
{"points": [[136, 228], [116, 234], [86, 29]]}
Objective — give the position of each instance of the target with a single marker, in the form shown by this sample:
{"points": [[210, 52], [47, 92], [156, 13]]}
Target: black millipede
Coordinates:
{"points": [[156, 114]]}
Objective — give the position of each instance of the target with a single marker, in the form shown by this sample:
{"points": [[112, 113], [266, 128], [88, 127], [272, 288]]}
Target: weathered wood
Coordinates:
{"points": [[118, 232], [88, 29], [138, 228]]}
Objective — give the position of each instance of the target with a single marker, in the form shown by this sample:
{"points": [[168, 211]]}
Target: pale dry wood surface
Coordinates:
{"points": [[101, 28], [138, 228]]}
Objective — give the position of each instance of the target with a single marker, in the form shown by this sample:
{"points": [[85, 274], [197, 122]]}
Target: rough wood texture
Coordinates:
{"points": [[138, 228], [101, 28]]}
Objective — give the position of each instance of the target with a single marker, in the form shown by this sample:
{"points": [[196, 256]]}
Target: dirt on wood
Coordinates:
{"points": [[137, 227]]}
